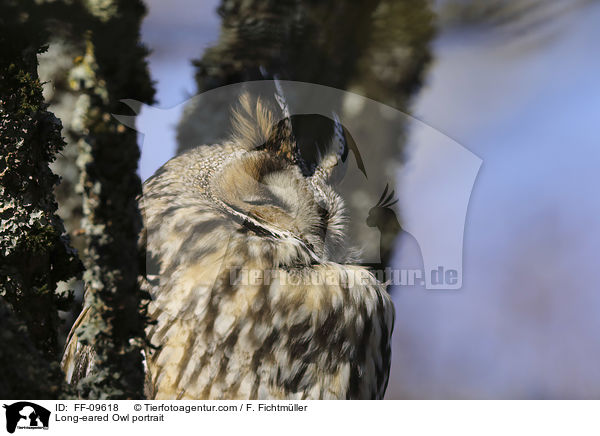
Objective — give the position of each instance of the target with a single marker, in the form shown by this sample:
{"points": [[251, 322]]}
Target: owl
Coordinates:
{"points": [[256, 293]]}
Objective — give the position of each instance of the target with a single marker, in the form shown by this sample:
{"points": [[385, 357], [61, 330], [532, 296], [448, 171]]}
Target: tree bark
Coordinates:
{"points": [[112, 68], [36, 254]]}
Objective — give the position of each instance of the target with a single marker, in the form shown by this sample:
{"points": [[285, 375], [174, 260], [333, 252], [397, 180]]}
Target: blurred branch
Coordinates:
{"points": [[520, 15], [310, 41]]}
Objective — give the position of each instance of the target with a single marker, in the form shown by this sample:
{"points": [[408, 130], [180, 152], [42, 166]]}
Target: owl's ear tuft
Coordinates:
{"points": [[336, 154], [281, 141], [252, 122], [256, 126]]}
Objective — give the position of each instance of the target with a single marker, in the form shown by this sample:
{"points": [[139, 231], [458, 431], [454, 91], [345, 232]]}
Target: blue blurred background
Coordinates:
{"points": [[520, 92]]}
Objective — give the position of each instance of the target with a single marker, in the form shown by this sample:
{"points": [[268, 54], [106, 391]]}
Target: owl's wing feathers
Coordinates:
{"points": [[78, 359]]}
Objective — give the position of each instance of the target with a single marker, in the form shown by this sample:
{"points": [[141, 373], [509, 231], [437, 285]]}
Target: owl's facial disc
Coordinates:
{"points": [[271, 192]]}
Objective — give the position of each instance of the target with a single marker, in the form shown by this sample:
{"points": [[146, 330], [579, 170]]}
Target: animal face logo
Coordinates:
{"points": [[26, 415], [433, 176]]}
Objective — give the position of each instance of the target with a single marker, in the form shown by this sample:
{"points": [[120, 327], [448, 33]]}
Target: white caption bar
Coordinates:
{"points": [[365, 418]]}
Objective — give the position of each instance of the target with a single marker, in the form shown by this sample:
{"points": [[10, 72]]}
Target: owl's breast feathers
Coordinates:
{"points": [[232, 323], [253, 333]]}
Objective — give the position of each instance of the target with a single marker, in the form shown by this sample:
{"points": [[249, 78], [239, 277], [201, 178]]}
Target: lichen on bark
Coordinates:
{"points": [[35, 251], [112, 68], [35, 254]]}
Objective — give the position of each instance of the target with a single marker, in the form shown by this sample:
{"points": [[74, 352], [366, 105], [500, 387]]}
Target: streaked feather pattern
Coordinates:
{"points": [[254, 291]]}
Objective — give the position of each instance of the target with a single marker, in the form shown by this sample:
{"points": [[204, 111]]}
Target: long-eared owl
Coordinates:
{"points": [[256, 293]]}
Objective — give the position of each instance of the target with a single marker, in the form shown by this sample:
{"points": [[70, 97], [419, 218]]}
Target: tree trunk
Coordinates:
{"points": [[36, 254], [112, 68]]}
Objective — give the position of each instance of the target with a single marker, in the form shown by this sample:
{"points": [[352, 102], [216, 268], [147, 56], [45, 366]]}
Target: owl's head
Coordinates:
{"points": [[255, 189], [276, 194]]}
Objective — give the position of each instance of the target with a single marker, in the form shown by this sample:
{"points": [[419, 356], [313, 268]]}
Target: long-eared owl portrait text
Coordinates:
{"points": [[256, 293]]}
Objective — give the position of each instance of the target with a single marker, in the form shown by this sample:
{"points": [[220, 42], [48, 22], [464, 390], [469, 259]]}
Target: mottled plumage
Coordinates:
{"points": [[254, 290]]}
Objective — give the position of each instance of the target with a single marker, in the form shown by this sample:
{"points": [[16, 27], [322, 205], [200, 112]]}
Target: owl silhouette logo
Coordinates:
{"points": [[26, 415]]}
